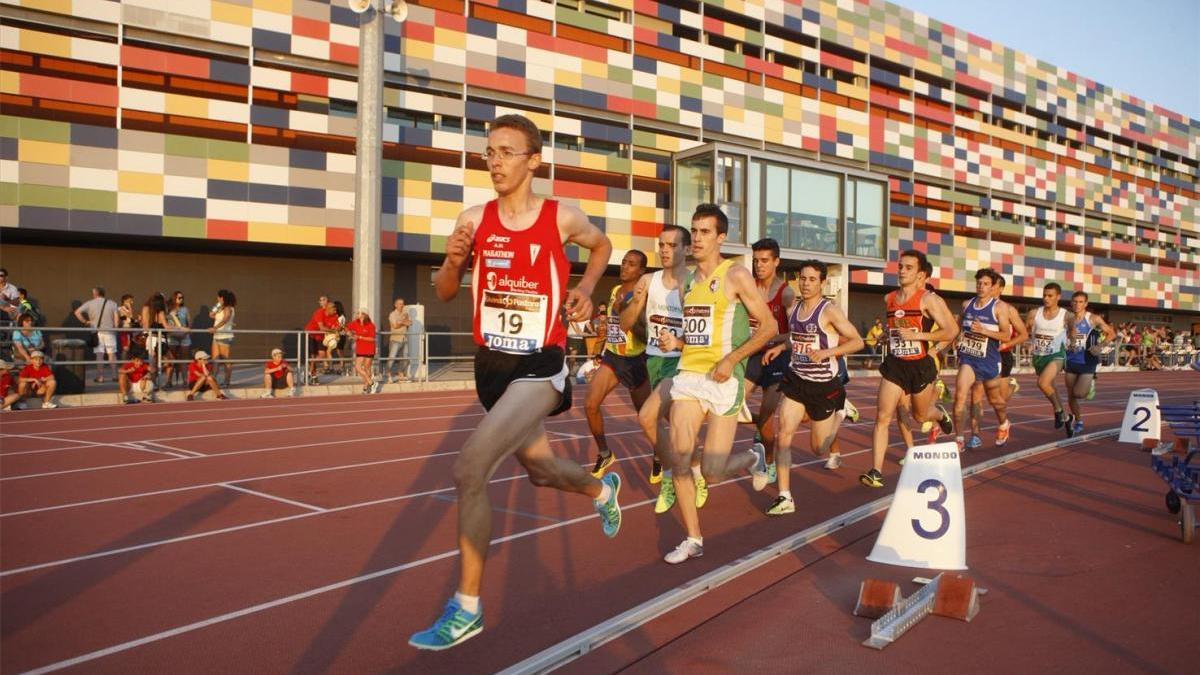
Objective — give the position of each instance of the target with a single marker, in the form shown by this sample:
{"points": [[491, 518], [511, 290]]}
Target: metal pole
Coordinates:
{"points": [[369, 155]]}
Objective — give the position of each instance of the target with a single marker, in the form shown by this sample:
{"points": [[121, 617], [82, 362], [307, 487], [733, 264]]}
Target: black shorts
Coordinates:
{"points": [[820, 399], [630, 370], [1007, 361], [911, 376], [203, 388], [279, 380], [494, 371], [770, 374]]}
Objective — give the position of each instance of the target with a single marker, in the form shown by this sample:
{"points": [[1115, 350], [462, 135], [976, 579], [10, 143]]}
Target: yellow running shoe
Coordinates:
{"points": [[701, 491], [602, 463], [666, 496], [656, 472]]}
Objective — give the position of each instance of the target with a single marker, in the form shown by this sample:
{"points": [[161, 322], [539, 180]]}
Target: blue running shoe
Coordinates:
{"points": [[610, 511], [455, 626], [1078, 428], [975, 442]]}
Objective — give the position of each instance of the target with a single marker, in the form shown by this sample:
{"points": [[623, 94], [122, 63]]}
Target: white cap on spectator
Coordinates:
{"points": [[363, 310], [5, 365], [202, 355], [277, 350], [36, 354]]}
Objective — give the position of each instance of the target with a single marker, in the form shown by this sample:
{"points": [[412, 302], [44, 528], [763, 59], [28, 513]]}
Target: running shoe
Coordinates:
{"points": [[871, 478], [666, 496], [926, 427], [943, 392], [1078, 427], [602, 462], [1014, 385], [1002, 432], [946, 423], [1059, 416], [687, 549], [834, 462], [1092, 390], [376, 387], [772, 473], [758, 470], [292, 392], [656, 473], [610, 511], [781, 506], [1069, 423], [49, 404], [267, 394], [977, 442], [851, 412], [455, 626], [701, 490]]}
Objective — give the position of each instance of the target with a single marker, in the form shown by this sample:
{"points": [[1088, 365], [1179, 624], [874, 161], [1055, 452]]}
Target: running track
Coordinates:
{"points": [[317, 534]]}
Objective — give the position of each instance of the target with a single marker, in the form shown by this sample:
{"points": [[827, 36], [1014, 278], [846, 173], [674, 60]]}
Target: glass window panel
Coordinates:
{"points": [[816, 212], [776, 198], [865, 231], [754, 202], [693, 186], [731, 180]]}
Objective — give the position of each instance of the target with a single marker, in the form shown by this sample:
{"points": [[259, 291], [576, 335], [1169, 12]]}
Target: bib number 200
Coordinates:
{"points": [[935, 505]]}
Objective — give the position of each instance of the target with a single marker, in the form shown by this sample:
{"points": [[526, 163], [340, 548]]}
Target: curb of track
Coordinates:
{"points": [[580, 644]]}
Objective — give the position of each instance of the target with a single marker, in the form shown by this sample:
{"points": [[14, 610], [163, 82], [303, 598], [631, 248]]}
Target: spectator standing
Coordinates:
{"points": [[201, 378], [154, 324], [400, 323], [339, 329], [135, 377], [362, 330], [101, 314], [8, 387], [222, 315], [27, 339], [316, 336], [37, 380], [179, 340], [128, 319], [599, 330], [874, 337], [9, 297], [277, 374]]}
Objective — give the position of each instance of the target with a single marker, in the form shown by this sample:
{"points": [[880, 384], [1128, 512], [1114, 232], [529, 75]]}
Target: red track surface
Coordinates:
{"points": [[317, 534]]}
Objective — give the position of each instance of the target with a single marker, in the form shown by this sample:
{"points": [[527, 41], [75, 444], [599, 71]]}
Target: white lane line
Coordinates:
{"points": [[252, 451], [273, 521], [135, 445], [185, 488], [264, 495], [163, 446]]}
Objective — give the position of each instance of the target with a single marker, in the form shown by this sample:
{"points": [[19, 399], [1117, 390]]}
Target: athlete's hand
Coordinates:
{"points": [[771, 354], [458, 245], [668, 341], [578, 306], [908, 333], [722, 371], [821, 355], [976, 326]]}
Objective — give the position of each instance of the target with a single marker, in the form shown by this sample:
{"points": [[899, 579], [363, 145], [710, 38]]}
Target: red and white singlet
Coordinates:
{"points": [[519, 283]]}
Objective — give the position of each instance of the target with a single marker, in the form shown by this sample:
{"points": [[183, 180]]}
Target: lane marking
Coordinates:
{"points": [[264, 495], [536, 516]]}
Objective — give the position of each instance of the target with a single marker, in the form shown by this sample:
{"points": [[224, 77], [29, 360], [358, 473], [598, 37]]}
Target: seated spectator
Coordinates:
{"points": [[588, 370], [200, 377], [277, 374], [8, 387], [135, 377], [28, 339], [362, 330], [37, 380], [26, 306], [9, 298]]}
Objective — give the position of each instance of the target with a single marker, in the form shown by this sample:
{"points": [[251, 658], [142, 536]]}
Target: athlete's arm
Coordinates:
{"points": [[1109, 333], [635, 310], [1014, 320], [458, 254], [850, 343], [1002, 332], [741, 282], [789, 296], [936, 308], [1029, 321], [940, 347], [574, 227]]}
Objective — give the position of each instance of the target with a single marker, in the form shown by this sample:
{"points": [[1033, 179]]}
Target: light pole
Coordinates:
{"points": [[369, 150]]}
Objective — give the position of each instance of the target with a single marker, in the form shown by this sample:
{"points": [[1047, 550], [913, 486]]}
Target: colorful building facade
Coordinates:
{"points": [[234, 121]]}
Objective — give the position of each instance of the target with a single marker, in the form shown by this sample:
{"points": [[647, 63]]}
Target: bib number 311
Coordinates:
{"points": [[935, 505]]}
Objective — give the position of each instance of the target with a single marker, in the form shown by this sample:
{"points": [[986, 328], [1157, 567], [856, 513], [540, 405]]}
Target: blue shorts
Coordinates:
{"points": [[770, 374], [1081, 368], [985, 369]]}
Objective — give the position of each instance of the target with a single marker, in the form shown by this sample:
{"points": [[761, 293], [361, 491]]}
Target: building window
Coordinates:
{"points": [[865, 218], [731, 197], [816, 211], [693, 185], [754, 208], [776, 190]]}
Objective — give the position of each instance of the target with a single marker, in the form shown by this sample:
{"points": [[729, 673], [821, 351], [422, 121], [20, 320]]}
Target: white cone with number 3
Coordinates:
{"points": [[925, 525], [1142, 418]]}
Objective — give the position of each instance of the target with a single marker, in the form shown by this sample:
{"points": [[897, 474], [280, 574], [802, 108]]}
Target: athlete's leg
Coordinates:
{"points": [[791, 414], [824, 434], [718, 462], [513, 422], [765, 419], [603, 383], [1047, 384], [996, 389], [1079, 392], [976, 411], [889, 397], [905, 422], [962, 396], [1072, 397], [686, 417]]}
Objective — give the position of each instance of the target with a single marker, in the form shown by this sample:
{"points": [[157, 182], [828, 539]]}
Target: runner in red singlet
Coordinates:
{"points": [[519, 276]]}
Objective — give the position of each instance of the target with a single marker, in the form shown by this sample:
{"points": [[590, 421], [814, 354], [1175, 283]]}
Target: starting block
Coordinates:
{"points": [[954, 597]]}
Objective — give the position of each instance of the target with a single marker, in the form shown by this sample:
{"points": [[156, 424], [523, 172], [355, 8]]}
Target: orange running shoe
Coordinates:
{"points": [[1002, 433]]}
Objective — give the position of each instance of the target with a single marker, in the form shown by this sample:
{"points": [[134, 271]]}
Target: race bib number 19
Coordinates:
{"points": [[513, 322]]}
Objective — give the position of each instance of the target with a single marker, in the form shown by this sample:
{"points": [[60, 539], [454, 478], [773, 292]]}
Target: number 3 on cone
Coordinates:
{"points": [[934, 505]]}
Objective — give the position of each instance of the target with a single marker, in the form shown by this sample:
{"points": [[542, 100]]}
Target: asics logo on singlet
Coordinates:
{"points": [[520, 284], [498, 239]]}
